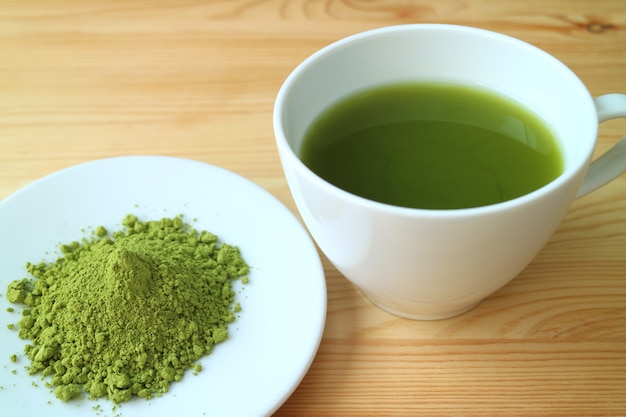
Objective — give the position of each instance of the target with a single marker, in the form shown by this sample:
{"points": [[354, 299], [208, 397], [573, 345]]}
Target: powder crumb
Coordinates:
{"points": [[126, 313], [18, 290], [67, 392], [101, 231]]}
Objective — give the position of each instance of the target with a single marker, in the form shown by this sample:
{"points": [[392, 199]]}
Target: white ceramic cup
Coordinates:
{"points": [[433, 264]]}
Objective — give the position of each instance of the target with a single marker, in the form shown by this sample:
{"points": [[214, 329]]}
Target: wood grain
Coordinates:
{"points": [[82, 80]]}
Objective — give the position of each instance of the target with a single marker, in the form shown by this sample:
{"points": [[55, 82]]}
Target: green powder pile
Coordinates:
{"points": [[128, 313]]}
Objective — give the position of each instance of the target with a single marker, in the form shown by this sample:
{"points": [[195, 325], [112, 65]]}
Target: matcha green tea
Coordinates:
{"points": [[432, 146], [125, 314]]}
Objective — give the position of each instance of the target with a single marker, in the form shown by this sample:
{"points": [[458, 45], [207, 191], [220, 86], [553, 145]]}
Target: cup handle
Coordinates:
{"points": [[612, 163]]}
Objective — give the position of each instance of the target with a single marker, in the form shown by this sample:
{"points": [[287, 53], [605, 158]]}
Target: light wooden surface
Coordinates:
{"points": [[82, 80]]}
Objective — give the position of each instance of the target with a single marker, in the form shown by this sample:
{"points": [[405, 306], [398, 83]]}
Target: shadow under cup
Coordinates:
{"points": [[431, 264]]}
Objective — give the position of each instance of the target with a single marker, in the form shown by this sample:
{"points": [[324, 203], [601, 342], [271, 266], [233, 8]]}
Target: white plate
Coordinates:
{"points": [[271, 344]]}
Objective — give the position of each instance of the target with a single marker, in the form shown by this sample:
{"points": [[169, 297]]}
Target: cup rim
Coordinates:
{"points": [[287, 152]]}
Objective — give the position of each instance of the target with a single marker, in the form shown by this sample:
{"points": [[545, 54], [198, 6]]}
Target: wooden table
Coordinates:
{"points": [[82, 80]]}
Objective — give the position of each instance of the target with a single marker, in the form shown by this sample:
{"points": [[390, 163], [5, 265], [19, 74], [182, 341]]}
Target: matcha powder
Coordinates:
{"points": [[128, 313]]}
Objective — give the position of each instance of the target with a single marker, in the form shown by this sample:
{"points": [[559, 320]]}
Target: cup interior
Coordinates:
{"points": [[442, 53]]}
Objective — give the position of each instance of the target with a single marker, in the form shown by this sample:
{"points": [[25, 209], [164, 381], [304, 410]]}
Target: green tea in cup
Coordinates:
{"points": [[493, 136], [432, 145]]}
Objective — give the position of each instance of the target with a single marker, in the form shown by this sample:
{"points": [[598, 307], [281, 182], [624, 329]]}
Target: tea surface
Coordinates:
{"points": [[432, 146]]}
